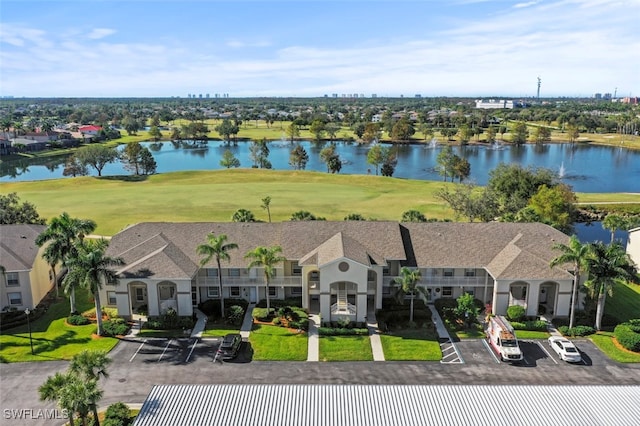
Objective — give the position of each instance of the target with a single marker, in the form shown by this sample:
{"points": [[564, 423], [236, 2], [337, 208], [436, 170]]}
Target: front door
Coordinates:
{"points": [[252, 295]]}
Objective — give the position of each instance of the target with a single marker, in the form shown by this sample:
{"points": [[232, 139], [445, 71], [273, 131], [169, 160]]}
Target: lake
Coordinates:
{"points": [[587, 168]]}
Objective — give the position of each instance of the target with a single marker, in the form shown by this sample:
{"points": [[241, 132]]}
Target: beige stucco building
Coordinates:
{"points": [[27, 277], [342, 269]]}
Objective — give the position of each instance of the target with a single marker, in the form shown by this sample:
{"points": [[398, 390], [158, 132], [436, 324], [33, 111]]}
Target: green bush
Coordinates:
{"points": [[210, 308], [77, 320], [117, 414], [515, 313], [331, 331], [530, 325], [262, 314], [577, 331], [627, 336], [276, 321], [235, 315], [170, 321], [300, 325], [114, 328], [278, 303]]}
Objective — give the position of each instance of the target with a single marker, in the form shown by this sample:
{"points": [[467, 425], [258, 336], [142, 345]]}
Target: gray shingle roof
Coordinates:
{"points": [[507, 250], [18, 249]]}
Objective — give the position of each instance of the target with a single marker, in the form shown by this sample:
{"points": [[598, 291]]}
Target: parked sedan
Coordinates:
{"points": [[565, 349], [229, 347]]}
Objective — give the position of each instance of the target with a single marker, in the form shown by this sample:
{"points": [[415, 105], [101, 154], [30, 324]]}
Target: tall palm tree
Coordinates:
{"points": [[606, 265], [407, 284], [266, 205], [267, 258], [575, 252], [82, 396], [218, 248], [65, 231], [52, 390], [613, 222], [89, 268], [53, 254]]}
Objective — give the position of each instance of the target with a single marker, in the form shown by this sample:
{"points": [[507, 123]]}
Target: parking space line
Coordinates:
{"points": [[165, 349], [488, 348], [547, 352], [195, 342], [136, 353]]}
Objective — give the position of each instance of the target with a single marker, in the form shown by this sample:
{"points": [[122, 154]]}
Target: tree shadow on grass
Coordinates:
{"points": [[41, 345]]}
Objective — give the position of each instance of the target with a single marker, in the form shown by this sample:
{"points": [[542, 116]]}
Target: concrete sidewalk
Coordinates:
{"points": [[443, 333], [313, 351], [247, 323], [374, 337], [201, 323]]}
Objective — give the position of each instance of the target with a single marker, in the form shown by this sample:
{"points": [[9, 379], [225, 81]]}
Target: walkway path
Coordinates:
{"points": [[313, 349], [138, 323], [374, 337], [247, 323], [450, 353], [201, 323]]}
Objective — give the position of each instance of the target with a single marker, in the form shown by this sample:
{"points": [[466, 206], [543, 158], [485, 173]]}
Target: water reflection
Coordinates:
{"points": [[586, 168]]}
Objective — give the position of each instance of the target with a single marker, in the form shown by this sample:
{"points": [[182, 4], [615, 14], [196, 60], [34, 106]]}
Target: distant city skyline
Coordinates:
{"points": [[312, 48]]}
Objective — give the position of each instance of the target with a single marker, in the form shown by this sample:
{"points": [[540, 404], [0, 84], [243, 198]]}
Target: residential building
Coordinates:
{"points": [[89, 130], [26, 278], [633, 245], [341, 269]]}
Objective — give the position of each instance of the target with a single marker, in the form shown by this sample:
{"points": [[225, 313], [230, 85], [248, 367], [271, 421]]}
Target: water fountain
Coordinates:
{"points": [[433, 143], [562, 172]]}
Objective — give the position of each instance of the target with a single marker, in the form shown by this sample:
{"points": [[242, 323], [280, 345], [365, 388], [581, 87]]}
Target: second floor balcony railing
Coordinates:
{"points": [[443, 281], [245, 280]]}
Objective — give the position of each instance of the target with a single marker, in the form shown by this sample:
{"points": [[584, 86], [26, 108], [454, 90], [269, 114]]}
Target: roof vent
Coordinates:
{"points": [[24, 237]]}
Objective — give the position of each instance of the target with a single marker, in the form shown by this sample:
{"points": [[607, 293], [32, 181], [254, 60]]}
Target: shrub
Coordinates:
{"points": [[331, 331], [210, 308], [114, 328], [560, 322], [262, 314], [117, 414], [515, 312], [530, 325], [276, 321], [300, 325], [235, 315], [77, 320], [577, 331], [627, 335]]}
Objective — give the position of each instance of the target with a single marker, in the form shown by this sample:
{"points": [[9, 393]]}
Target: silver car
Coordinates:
{"points": [[565, 349]]}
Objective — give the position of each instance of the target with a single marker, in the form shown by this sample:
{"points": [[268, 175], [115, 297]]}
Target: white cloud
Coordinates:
{"points": [[527, 4], [99, 33]]}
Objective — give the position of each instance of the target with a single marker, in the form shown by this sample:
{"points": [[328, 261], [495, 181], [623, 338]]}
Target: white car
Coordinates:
{"points": [[565, 349]]}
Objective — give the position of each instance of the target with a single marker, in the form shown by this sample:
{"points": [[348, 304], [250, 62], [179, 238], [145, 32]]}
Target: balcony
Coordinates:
{"points": [[245, 281], [442, 281]]}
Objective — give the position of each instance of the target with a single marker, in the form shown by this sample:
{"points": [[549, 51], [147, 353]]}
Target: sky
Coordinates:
{"points": [[309, 48]]}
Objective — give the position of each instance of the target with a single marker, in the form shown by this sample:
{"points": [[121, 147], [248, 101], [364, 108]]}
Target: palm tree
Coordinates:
{"points": [[81, 396], [407, 284], [575, 252], [89, 268], [51, 390], [606, 265], [266, 257], [53, 254], [218, 248], [64, 232], [90, 365], [266, 205], [613, 222]]}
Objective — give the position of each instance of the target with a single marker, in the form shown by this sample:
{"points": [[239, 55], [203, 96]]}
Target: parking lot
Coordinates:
{"points": [[177, 351], [537, 353]]}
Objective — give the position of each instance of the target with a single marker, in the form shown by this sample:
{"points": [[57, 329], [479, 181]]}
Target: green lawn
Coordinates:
{"points": [[625, 302], [115, 202], [272, 343], [214, 329], [476, 332], [345, 348], [530, 334], [411, 345], [604, 340], [53, 339]]}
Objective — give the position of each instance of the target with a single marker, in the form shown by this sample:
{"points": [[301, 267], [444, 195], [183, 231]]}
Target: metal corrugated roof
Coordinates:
{"points": [[386, 405]]}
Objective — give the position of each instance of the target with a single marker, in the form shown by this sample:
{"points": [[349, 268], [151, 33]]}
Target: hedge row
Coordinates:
{"points": [[330, 331], [17, 318], [530, 325], [628, 335], [577, 331], [115, 327]]}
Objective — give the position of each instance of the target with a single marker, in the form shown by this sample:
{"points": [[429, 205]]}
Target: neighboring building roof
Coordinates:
{"points": [[18, 250], [507, 250], [387, 405], [89, 128]]}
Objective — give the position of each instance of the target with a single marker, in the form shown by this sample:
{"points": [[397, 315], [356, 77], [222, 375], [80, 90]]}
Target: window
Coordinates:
{"points": [[139, 294], [15, 298], [296, 269], [385, 271], [296, 291], [12, 279], [167, 292], [111, 298], [469, 272], [273, 292], [447, 272], [314, 275], [386, 290], [212, 292], [371, 275], [471, 291], [234, 272], [447, 291], [234, 291], [212, 272]]}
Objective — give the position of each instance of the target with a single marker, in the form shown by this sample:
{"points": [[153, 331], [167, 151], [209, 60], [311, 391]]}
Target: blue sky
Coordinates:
{"points": [[94, 48]]}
